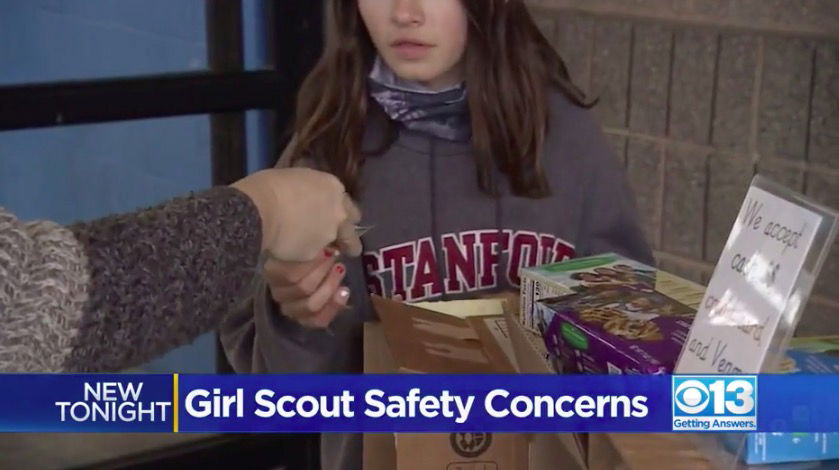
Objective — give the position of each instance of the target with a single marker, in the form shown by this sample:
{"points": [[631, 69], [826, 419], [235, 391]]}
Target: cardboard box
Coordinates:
{"points": [[603, 451], [400, 344], [423, 341], [409, 339]]}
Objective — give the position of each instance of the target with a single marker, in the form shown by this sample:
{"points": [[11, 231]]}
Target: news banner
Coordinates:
{"points": [[418, 403]]}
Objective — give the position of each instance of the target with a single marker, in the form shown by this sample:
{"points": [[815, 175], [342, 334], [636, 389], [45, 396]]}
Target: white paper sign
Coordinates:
{"points": [[752, 286]]}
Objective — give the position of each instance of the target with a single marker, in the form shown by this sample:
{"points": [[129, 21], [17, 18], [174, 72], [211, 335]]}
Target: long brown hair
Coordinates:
{"points": [[509, 70]]}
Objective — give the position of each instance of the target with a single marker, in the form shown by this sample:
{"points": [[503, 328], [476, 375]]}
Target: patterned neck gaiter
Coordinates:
{"points": [[443, 114]]}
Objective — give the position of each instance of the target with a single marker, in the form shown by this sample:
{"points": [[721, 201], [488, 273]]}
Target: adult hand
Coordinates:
{"points": [[303, 211], [308, 220]]}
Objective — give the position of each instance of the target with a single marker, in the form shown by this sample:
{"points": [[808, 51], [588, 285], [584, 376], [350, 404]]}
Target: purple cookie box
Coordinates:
{"points": [[606, 353]]}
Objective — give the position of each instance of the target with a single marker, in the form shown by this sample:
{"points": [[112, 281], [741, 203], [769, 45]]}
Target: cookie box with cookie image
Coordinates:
{"points": [[608, 270], [815, 355], [614, 330]]}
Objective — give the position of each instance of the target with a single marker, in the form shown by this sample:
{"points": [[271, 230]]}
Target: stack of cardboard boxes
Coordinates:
{"points": [[604, 314]]}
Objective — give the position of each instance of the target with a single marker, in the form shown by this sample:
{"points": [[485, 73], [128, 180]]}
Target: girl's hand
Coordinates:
{"points": [[309, 292]]}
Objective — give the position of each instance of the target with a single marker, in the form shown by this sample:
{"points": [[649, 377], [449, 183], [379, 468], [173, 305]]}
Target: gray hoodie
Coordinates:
{"points": [[436, 236]]}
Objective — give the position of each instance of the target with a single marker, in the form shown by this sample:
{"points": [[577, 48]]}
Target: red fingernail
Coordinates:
{"points": [[328, 252], [340, 269]]}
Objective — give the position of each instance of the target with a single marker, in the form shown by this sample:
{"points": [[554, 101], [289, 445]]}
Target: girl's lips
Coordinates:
{"points": [[410, 50]]}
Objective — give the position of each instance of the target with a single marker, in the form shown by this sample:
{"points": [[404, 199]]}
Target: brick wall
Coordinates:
{"points": [[697, 97]]}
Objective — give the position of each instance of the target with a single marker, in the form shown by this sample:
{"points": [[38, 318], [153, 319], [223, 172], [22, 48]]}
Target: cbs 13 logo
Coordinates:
{"points": [[714, 395]]}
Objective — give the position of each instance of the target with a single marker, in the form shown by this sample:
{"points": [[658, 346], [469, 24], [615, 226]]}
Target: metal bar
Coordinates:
{"points": [[295, 40], [296, 37], [225, 53], [94, 101]]}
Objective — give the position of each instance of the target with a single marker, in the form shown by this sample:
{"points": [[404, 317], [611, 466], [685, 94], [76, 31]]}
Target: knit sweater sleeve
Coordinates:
{"points": [[43, 292], [121, 290]]}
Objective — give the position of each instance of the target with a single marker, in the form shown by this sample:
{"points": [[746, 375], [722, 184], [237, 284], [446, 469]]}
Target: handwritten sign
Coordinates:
{"points": [[753, 286]]}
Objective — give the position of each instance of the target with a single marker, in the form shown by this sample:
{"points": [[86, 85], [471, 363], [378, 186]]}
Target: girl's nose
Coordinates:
{"points": [[407, 12]]}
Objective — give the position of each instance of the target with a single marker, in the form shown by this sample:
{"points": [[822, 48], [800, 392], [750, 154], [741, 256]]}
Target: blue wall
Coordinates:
{"points": [[81, 172]]}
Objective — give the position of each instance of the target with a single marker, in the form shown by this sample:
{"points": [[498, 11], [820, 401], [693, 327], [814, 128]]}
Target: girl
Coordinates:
{"points": [[456, 127]]}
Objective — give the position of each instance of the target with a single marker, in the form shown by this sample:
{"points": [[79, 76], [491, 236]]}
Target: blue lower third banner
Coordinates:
{"points": [[418, 403], [86, 403]]}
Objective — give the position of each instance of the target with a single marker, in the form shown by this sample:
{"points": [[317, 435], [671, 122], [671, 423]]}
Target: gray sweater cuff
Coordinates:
{"points": [[43, 291], [162, 276]]}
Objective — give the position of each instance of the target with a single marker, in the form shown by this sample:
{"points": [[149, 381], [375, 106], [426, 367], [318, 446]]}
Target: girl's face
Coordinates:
{"points": [[421, 40]]}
